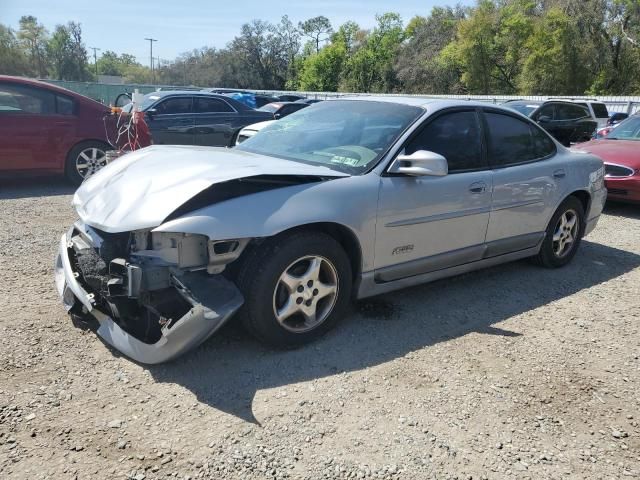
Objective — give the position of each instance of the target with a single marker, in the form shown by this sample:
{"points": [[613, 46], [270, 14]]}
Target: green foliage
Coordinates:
{"points": [[370, 68], [420, 65], [66, 53], [13, 60], [321, 71], [110, 63], [547, 47]]}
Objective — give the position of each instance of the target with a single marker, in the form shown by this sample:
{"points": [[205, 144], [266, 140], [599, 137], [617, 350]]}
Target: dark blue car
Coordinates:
{"points": [[197, 118]]}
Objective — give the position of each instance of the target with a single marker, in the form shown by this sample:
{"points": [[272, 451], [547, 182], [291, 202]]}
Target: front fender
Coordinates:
{"points": [[350, 202]]}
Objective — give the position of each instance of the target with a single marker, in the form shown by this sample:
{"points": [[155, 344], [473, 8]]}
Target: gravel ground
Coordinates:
{"points": [[512, 372]]}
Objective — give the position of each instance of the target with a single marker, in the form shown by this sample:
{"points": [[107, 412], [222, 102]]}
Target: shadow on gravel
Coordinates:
{"points": [[12, 188], [227, 370], [618, 209]]}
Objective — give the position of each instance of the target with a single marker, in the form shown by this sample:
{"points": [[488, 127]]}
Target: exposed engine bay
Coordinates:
{"points": [[148, 283]]}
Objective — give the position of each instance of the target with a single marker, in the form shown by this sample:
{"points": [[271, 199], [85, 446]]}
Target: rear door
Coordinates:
{"points": [[37, 126], [528, 182], [215, 121], [430, 223], [171, 121]]}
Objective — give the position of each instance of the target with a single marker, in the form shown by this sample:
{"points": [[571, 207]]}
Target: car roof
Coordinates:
{"points": [[201, 93], [415, 101], [53, 88]]}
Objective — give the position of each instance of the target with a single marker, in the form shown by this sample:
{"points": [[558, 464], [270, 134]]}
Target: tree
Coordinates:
{"points": [[419, 66], [33, 37], [110, 63], [12, 58], [67, 53], [318, 29], [370, 68], [554, 65], [321, 71], [490, 46]]}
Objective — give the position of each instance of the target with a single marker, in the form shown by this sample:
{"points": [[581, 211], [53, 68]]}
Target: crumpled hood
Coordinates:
{"points": [[142, 188]]}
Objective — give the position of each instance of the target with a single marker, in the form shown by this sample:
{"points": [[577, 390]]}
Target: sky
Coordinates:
{"points": [[180, 26]]}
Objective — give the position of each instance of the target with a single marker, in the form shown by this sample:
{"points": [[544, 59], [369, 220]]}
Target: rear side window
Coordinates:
{"points": [[546, 111], [600, 109], [566, 111], [25, 99], [174, 106], [64, 105], [210, 105], [513, 141], [456, 136]]}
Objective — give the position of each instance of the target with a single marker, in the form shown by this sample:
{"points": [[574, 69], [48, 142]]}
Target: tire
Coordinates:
{"points": [[557, 253], [274, 279], [84, 159]]}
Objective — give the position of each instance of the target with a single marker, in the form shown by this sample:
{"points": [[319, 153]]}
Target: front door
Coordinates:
{"points": [[430, 223], [529, 182], [172, 121]]}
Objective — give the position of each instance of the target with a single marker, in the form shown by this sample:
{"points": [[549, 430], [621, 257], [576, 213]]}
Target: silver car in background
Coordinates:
{"points": [[345, 199]]}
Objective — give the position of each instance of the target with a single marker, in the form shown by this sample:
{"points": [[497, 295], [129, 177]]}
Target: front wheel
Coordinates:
{"points": [[563, 235], [295, 287]]}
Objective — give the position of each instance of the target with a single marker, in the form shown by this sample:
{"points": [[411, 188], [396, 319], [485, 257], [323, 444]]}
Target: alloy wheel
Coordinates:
{"points": [[565, 233], [90, 160], [305, 294]]}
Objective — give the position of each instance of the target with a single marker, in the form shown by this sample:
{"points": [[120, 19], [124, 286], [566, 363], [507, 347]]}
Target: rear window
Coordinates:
{"points": [[519, 107], [600, 110]]}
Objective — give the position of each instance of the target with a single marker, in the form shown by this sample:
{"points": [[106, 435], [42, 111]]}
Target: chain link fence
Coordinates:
{"points": [[108, 93]]}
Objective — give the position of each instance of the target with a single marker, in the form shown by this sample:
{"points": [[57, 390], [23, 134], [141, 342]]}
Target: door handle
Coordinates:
{"points": [[478, 187], [560, 173]]}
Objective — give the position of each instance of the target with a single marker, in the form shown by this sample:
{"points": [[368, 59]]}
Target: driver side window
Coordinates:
{"points": [[456, 136]]}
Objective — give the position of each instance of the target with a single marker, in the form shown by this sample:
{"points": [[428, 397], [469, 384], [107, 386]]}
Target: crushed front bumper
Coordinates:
{"points": [[213, 301]]}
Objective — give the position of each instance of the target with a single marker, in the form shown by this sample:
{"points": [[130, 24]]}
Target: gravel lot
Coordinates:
{"points": [[512, 372]]}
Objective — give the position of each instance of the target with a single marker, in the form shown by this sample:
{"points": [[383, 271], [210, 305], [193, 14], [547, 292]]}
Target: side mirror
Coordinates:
{"points": [[544, 118], [277, 116], [150, 112], [420, 163]]}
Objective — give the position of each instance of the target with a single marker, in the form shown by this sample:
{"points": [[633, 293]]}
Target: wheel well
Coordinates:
{"points": [[344, 236], [584, 198]]}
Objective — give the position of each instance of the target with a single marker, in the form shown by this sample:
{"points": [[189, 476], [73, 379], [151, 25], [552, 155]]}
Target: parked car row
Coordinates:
{"points": [[50, 130]]}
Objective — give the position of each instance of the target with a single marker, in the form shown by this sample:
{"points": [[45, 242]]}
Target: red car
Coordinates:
{"points": [[48, 129], [620, 150]]}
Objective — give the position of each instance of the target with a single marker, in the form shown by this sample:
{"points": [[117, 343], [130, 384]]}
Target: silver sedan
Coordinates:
{"points": [[345, 199]]}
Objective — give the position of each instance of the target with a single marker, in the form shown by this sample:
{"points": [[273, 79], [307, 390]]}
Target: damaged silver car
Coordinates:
{"points": [[345, 199]]}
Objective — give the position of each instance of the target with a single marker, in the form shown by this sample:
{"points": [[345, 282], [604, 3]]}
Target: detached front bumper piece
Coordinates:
{"points": [[209, 300]]}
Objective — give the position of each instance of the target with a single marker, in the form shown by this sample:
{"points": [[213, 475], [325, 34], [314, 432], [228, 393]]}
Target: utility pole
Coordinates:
{"points": [[151, 40], [95, 59]]}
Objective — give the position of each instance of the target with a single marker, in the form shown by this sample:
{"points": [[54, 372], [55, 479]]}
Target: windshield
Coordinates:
{"points": [[269, 107], [149, 99], [627, 130], [345, 135], [519, 107]]}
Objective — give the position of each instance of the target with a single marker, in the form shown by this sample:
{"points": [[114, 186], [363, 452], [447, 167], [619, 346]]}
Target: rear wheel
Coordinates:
{"points": [[563, 235], [85, 159], [295, 287]]}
